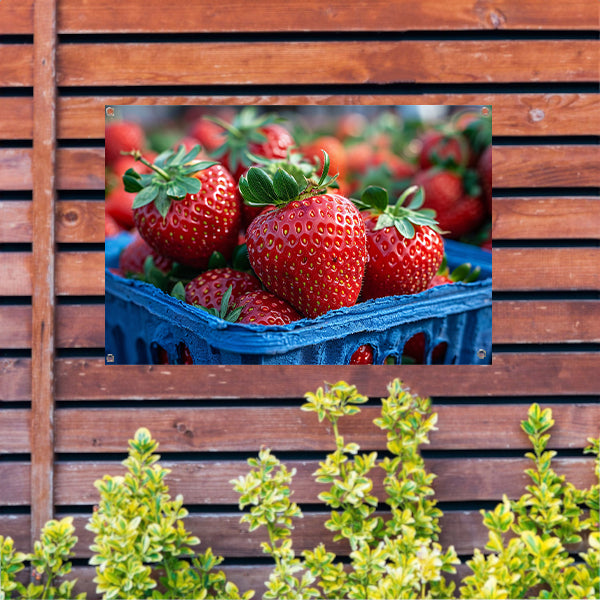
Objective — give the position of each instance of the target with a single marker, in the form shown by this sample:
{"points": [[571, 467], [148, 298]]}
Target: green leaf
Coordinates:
{"points": [[162, 202], [174, 190], [217, 260], [191, 185], [261, 186], [146, 195], [197, 166], [375, 197], [132, 181], [418, 199], [285, 186]]}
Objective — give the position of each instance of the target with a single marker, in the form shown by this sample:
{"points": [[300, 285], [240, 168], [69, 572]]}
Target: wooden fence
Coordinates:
{"points": [[65, 417]]}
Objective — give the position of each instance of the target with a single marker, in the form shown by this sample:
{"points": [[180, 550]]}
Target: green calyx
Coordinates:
{"points": [[244, 130], [464, 273], [263, 187], [227, 311], [172, 178], [403, 218]]}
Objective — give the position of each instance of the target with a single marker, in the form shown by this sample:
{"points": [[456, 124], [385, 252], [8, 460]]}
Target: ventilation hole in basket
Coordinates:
{"points": [[363, 355], [414, 350], [390, 359], [438, 354], [183, 354], [159, 354]]}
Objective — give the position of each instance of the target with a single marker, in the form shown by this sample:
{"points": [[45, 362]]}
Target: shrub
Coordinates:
{"points": [[142, 549]]}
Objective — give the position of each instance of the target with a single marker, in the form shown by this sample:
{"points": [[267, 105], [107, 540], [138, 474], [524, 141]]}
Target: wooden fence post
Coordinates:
{"points": [[43, 294]]}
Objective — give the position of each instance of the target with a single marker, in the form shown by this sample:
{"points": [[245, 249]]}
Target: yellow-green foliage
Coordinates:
{"points": [[141, 548]]}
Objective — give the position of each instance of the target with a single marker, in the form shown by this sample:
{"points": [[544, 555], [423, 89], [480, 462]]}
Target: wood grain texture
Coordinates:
{"points": [[15, 433], [560, 218], [16, 67], [377, 15], [17, 123], [294, 15], [208, 482], [529, 374], [77, 326], [290, 429], [75, 220], [15, 169], [514, 114], [553, 165], [272, 63], [542, 322], [77, 274], [529, 269], [43, 266]]}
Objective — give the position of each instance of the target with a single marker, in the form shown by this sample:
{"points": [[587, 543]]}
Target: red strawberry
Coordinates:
{"points": [[263, 308], [251, 135], [119, 205], [186, 210], [363, 355], [484, 168], [337, 155], [441, 147], [404, 244], [209, 287], [310, 250], [209, 134], [134, 256], [111, 227], [457, 212], [122, 136]]}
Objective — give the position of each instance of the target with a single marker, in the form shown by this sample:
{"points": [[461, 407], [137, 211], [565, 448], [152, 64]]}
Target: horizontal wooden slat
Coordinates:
{"points": [[546, 321], [76, 221], [80, 169], [295, 15], [528, 374], [458, 480], [546, 218], [16, 67], [17, 123], [545, 166], [77, 274], [290, 429], [272, 63], [80, 221], [77, 326], [15, 169], [514, 114], [528, 269], [15, 432]]}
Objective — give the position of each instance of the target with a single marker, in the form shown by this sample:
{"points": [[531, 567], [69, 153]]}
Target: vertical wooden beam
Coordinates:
{"points": [[43, 298]]}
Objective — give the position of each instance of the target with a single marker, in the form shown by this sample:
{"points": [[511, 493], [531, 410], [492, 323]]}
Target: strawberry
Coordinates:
{"points": [[311, 249], [208, 288], [404, 244], [457, 211], [484, 169], [135, 254], [122, 136], [443, 147], [209, 134], [186, 210], [250, 135], [336, 151], [119, 205], [363, 355], [263, 308]]}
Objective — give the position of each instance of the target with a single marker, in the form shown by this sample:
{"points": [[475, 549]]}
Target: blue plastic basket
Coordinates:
{"points": [[139, 318]]}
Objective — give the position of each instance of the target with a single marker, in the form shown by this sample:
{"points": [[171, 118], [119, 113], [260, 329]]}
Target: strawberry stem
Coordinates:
{"points": [[138, 156]]}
